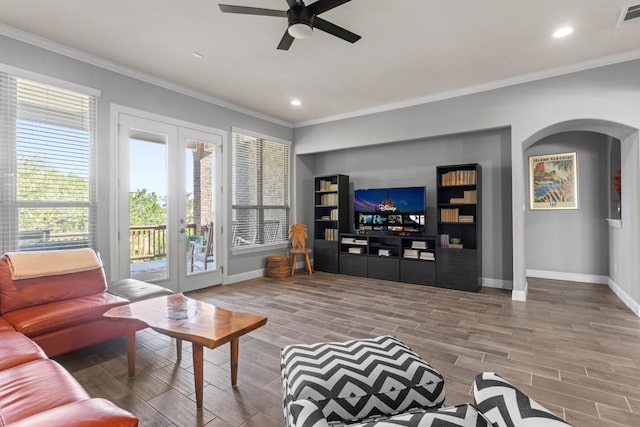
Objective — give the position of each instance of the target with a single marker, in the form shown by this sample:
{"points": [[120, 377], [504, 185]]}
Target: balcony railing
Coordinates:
{"points": [[146, 242], [150, 241]]}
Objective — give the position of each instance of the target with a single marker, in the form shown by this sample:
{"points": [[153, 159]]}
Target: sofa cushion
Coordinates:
{"points": [[84, 413], [40, 319], [136, 290], [5, 326], [358, 379], [34, 387], [16, 349], [17, 294], [506, 406]]}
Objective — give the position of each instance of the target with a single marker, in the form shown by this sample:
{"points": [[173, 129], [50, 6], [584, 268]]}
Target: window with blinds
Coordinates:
{"points": [[47, 147], [260, 196]]}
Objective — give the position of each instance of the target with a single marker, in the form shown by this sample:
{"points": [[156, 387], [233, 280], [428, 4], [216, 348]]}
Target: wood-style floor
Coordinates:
{"points": [[572, 346]]}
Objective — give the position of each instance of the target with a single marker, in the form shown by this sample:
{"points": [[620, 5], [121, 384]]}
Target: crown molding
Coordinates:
{"points": [[484, 87], [41, 42], [79, 55]]}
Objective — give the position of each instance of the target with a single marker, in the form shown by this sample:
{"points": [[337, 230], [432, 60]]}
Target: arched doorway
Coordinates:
{"points": [[623, 249]]}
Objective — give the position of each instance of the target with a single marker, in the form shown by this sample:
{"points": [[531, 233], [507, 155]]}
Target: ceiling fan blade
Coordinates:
{"points": [[286, 41], [292, 3], [323, 5], [335, 30], [229, 8]]}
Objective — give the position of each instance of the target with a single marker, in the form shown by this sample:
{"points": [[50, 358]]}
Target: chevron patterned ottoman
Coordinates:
{"points": [[307, 413], [506, 406], [357, 381]]}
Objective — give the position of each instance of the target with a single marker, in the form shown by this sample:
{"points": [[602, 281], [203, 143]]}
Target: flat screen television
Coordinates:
{"points": [[390, 210]]}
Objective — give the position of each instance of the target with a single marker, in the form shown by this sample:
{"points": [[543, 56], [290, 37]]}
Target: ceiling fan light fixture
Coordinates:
{"points": [[300, 30]]}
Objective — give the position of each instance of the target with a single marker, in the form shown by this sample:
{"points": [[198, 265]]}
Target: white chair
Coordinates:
{"points": [[245, 236], [271, 229], [202, 253]]}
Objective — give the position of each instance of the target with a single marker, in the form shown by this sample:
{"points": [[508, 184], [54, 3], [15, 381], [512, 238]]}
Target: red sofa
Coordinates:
{"points": [[63, 312], [41, 317]]}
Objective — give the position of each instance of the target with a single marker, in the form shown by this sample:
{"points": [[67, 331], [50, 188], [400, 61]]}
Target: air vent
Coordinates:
{"points": [[630, 14]]}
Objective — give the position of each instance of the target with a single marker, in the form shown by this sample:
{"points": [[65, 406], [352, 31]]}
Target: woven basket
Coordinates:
{"points": [[278, 266]]}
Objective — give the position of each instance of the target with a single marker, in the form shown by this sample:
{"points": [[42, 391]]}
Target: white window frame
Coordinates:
{"points": [[9, 206], [262, 246]]}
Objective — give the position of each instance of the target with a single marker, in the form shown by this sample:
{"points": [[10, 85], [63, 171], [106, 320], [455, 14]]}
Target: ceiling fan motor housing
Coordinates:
{"points": [[300, 15]]}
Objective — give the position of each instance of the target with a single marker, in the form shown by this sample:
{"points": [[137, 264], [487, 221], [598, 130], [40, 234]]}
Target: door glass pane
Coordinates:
{"points": [[148, 210], [200, 160]]}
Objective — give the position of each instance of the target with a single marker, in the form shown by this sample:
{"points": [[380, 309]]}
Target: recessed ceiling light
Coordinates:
{"points": [[562, 32], [197, 55], [296, 103]]}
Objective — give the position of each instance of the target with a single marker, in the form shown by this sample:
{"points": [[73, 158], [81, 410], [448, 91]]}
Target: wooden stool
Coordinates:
{"points": [[294, 254]]}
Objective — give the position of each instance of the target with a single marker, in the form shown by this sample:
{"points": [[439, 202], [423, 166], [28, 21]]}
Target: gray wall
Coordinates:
{"points": [[573, 241], [604, 99], [119, 89], [413, 163]]}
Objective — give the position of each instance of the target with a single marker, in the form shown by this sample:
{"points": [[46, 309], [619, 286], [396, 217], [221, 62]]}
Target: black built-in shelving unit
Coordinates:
{"points": [[331, 218], [408, 259], [459, 265]]}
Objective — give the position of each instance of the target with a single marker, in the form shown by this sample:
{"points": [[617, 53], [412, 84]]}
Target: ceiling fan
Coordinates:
{"points": [[302, 19]]}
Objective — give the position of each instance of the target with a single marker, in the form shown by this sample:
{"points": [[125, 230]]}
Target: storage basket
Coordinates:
{"points": [[278, 266]]}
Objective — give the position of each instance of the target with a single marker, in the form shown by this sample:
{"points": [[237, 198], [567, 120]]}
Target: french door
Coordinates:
{"points": [[169, 193]]}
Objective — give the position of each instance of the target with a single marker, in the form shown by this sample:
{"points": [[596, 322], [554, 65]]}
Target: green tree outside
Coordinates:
{"points": [[39, 182], [147, 208]]}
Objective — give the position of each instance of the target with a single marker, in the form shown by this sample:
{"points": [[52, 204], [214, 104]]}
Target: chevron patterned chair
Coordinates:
{"points": [[380, 382], [357, 380], [506, 406]]}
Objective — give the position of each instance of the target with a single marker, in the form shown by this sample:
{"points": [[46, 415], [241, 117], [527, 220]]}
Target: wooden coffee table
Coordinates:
{"points": [[191, 320]]}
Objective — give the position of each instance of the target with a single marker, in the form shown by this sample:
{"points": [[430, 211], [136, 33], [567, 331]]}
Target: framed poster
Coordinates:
{"points": [[553, 181]]}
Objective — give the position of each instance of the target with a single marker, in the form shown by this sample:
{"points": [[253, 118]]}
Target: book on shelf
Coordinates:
{"points": [[384, 252], [457, 200], [465, 218], [326, 185], [418, 244], [353, 241], [411, 253], [355, 250], [449, 215], [329, 199], [459, 177], [331, 234], [470, 196], [334, 214], [325, 217], [456, 245], [427, 256]]}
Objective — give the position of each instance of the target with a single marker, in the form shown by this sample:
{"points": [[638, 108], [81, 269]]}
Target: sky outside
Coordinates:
{"points": [[148, 166]]}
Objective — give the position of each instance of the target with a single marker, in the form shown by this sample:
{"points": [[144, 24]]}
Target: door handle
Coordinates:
{"points": [[182, 230]]}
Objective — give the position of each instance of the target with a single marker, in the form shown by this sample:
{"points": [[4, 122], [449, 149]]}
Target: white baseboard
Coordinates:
{"points": [[229, 280], [497, 283], [519, 295], [235, 278], [571, 277], [625, 298]]}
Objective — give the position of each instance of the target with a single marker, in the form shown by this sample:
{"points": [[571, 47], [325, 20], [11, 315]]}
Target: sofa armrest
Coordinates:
{"points": [[506, 406], [84, 413], [306, 413]]}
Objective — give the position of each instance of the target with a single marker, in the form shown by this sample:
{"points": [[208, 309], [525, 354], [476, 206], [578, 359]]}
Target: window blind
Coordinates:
{"points": [[47, 195], [260, 196]]}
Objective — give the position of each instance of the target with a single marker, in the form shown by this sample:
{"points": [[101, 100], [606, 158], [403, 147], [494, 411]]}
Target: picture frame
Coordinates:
{"points": [[553, 181]]}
